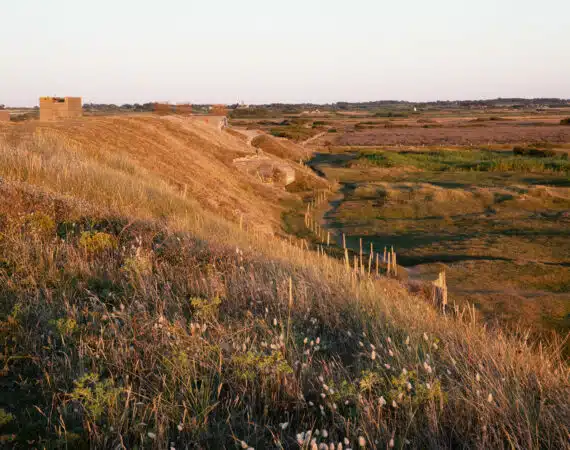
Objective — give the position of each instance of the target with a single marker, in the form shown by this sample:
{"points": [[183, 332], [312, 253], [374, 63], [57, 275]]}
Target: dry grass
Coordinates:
{"points": [[135, 316]]}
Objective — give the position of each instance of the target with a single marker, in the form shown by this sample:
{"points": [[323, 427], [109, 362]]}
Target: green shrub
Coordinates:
{"points": [[96, 242], [39, 224], [534, 152]]}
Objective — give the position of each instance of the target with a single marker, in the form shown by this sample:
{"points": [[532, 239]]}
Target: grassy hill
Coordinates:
{"points": [[150, 299]]}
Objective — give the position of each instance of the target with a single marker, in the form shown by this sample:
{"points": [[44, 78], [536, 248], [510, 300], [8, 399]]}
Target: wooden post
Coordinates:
{"points": [[361, 269], [328, 238], [395, 265], [384, 258], [376, 264], [343, 241], [346, 259]]}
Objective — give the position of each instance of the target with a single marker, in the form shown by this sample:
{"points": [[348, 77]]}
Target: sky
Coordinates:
{"points": [[293, 51]]}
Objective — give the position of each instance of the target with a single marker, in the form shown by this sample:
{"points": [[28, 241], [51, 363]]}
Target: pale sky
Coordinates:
{"points": [[259, 51]]}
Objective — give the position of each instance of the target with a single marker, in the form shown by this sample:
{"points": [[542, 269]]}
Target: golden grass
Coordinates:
{"points": [[193, 331]]}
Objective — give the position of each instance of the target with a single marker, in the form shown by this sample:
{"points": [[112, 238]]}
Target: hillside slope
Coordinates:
{"points": [[135, 311], [190, 154]]}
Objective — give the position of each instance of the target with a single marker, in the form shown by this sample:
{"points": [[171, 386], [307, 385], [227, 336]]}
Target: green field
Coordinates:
{"points": [[496, 221]]}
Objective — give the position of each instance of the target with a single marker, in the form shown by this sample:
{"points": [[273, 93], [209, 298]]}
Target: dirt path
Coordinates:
{"points": [[249, 134], [312, 139]]}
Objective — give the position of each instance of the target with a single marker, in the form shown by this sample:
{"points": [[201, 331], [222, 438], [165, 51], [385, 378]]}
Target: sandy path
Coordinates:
{"points": [[312, 139]]}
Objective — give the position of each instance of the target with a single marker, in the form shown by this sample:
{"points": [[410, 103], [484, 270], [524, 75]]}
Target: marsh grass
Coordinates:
{"points": [[468, 160]]}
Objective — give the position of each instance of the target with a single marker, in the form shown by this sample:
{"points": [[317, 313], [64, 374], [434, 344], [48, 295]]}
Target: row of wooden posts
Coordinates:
{"points": [[359, 264]]}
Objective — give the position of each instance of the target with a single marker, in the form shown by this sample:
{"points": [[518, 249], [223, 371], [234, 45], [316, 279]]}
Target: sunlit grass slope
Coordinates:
{"points": [[136, 312]]}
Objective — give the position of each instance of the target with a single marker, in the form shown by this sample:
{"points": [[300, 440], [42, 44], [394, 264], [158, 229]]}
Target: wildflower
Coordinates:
{"points": [[312, 343], [389, 340], [478, 377], [390, 352], [490, 398], [394, 404], [151, 435], [311, 404], [339, 446], [404, 371], [391, 443], [408, 340], [325, 433], [318, 340], [426, 337], [361, 343], [325, 387], [428, 386], [373, 355], [283, 425], [274, 322], [323, 446], [334, 406], [346, 402], [305, 341], [244, 444], [382, 401], [387, 366], [372, 346], [321, 379], [409, 386], [361, 441], [179, 427], [317, 347], [349, 333], [346, 441], [323, 395]]}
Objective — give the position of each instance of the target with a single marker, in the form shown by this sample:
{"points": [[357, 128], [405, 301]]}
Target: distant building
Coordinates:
{"points": [[55, 108], [183, 108], [162, 108], [4, 115]]}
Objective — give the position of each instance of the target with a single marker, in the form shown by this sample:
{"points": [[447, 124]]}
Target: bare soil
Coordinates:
{"points": [[464, 135]]}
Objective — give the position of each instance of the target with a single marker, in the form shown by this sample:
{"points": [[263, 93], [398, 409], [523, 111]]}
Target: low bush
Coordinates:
{"points": [[534, 152]]}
